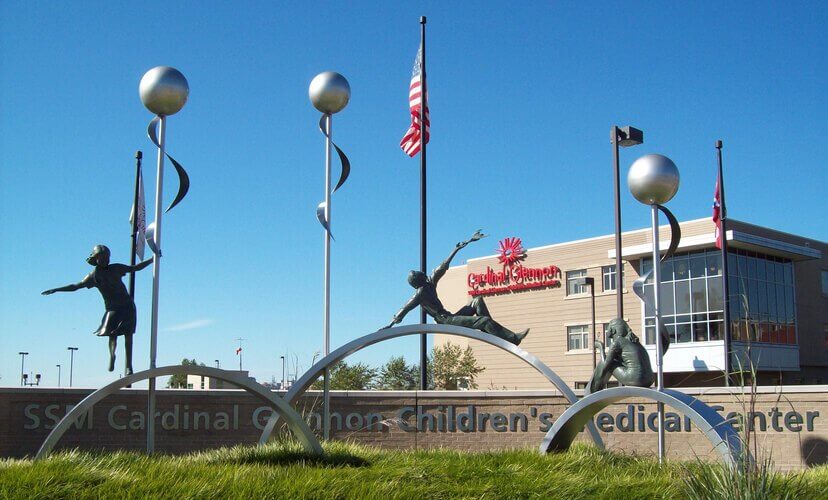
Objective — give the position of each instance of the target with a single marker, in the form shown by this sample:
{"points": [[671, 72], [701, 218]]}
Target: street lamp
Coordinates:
{"points": [[217, 364], [26, 380], [58, 367], [22, 363], [71, 362], [590, 281], [624, 137], [283, 372]]}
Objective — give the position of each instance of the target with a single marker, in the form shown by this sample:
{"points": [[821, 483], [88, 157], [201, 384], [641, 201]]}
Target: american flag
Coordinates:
{"points": [[410, 142], [717, 215]]}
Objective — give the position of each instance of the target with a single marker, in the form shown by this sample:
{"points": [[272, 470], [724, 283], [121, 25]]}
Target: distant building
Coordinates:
{"points": [[201, 382], [779, 305]]}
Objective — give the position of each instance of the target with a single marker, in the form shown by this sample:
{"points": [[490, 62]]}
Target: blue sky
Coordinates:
{"points": [[522, 99]]}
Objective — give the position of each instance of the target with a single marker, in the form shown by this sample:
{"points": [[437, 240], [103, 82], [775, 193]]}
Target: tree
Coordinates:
{"points": [[396, 375], [345, 377], [179, 380], [450, 364]]}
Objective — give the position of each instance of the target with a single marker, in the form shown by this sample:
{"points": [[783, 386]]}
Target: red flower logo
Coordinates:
{"points": [[510, 251]]}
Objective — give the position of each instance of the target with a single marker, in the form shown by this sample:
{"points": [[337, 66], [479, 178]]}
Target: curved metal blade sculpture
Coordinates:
{"points": [[722, 435], [298, 426], [316, 370]]}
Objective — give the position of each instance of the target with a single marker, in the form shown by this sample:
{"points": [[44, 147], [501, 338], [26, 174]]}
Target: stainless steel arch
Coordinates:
{"points": [[722, 435], [294, 420], [314, 372]]}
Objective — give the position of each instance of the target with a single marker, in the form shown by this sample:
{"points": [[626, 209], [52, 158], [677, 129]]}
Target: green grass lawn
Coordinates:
{"points": [[350, 471]]}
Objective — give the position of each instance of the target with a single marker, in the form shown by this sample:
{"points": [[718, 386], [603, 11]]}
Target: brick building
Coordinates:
{"points": [[779, 305]]}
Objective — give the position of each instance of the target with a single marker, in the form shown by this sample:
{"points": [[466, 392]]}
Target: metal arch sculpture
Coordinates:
{"points": [[300, 429], [721, 434], [301, 385]]}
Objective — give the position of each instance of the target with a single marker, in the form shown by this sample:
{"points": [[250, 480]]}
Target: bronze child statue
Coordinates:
{"points": [[475, 315], [119, 318], [625, 359]]}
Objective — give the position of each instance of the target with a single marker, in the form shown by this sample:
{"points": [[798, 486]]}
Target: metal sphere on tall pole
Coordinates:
{"points": [[329, 92], [623, 137], [163, 91], [654, 180]]}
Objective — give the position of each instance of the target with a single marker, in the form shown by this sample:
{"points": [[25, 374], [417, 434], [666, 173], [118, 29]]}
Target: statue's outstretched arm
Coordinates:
{"points": [[140, 265], [67, 288], [407, 308], [440, 270]]}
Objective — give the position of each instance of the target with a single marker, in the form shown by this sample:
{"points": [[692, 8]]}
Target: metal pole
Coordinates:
{"points": [[156, 276], [619, 266], [423, 212], [326, 395], [22, 370], [594, 333], [58, 367], [283, 372], [657, 311], [725, 284], [138, 156], [71, 363]]}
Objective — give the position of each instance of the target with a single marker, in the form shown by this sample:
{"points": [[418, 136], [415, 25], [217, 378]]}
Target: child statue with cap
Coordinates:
{"points": [[120, 317]]}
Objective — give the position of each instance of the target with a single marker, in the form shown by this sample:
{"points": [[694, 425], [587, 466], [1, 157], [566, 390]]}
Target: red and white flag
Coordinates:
{"points": [[717, 215], [238, 351], [410, 142]]}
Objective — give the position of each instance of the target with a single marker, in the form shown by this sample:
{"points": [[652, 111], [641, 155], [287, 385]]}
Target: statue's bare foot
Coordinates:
{"points": [[520, 336]]}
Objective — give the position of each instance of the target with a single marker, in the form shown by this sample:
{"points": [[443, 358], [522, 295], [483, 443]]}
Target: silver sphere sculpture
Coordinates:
{"points": [[164, 90], [653, 179], [329, 92]]}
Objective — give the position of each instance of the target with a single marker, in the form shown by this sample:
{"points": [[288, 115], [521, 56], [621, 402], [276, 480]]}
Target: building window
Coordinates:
{"points": [[692, 293], [572, 286], [578, 337], [608, 273]]}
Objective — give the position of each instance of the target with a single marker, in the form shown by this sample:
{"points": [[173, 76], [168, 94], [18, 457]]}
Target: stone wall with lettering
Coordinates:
{"points": [[791, 426]]}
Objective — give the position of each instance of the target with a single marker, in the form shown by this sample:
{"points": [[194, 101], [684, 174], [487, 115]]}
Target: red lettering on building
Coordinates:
{"points": [[514, 276]]}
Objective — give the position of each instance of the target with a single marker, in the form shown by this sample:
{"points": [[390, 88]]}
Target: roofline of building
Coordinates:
{"points": [[634, 231]]}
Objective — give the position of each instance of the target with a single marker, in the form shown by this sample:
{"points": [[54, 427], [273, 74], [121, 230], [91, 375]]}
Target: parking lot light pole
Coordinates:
{"points": [[71, 362], [624, 137], [22, 365]]}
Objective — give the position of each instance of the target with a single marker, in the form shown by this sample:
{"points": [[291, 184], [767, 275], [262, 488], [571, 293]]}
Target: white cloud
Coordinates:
{"points": [[190, 325]]}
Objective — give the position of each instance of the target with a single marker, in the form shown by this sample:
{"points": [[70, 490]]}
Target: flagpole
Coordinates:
{"points": [[132, 257], [138, 156], [423, 212], [725, 280]]}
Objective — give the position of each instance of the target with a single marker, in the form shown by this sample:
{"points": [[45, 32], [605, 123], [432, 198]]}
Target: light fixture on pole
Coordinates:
{"points": [[329, 92], [590, 282], [217, 364], [283, 372], [654, 180], [22, 366], [58, 367], [30, 384], [71, 362], [624, 137], [164, 92]]}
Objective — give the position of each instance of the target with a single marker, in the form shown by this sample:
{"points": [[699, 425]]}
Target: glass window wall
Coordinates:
{"points": [[692, 306]]}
